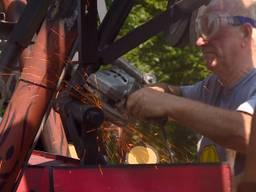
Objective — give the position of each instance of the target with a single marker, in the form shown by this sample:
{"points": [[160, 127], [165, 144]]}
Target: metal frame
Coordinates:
{"points": [[21, 123]]}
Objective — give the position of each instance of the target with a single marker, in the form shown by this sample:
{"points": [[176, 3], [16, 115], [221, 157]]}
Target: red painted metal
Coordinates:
{"points": [[42, 64], [151, 179], [53, 135], [35, 179], [129, 178], [47, 159]]}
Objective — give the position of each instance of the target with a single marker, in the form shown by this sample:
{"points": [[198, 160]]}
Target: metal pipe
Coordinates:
{"points": [[113, 21], [53, 135], [28, 23], [13, 9], [42, 64]]}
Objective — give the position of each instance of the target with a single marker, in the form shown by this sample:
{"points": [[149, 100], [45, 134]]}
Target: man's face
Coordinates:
{"points": [[221, 48]]}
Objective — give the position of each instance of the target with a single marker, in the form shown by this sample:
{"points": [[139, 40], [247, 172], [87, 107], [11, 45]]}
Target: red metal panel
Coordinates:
{"points": [[126, 178], [47, 159], [181, 178], [35, 179]]}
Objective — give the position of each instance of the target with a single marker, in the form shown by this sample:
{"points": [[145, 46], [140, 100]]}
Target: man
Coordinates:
{"points": [[221, 106], [248, 181]]}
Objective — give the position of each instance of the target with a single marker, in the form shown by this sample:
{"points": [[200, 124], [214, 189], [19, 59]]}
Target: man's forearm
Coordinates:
{"points": [[250, 168], [228, 128]]}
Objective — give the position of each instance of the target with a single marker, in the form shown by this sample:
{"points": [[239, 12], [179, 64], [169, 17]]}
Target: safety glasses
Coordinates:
{"points": [[208, 25]]}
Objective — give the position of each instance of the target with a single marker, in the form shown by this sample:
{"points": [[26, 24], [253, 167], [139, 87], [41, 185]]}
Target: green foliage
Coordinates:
{"points": [[2, 110], [173, 65]]}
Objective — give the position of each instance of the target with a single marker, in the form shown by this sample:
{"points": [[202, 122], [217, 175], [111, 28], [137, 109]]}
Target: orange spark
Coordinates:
{"points": [[100, 169]]}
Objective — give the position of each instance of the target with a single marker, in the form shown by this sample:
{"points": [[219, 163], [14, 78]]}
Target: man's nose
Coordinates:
{"points": [[201, 41]]}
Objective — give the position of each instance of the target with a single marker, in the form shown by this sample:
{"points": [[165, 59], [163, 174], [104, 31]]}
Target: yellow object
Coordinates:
{"points": [[72, 151], [142, 155], [209, 155]]}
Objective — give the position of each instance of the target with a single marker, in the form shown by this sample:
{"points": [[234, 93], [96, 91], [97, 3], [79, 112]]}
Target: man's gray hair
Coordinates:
{"points": [[245, 8], [237, 7]]}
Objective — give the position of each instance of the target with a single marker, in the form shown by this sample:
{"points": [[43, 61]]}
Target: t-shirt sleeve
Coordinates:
{"points": [[248, 106], [191, 91], [195, 91]]}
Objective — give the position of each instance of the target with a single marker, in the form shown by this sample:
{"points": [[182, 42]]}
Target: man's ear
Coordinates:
{"points": [[246, 30]]}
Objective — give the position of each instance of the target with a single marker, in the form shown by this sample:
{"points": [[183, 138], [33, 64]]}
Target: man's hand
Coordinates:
{"points": [[161, 87], [165, 88], [148, 102]]}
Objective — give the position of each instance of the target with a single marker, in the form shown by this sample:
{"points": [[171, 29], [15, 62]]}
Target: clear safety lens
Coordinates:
{"points": [[207, 26]]}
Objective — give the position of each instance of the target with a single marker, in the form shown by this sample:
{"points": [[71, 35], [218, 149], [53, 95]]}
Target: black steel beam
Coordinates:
{"points": [[144, 32], [135, 38], [113, 21], [87, 32], [23, 32]]}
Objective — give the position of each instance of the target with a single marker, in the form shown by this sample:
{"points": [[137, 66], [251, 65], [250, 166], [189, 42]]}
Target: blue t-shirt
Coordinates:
{"points": [[240, 97]]}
